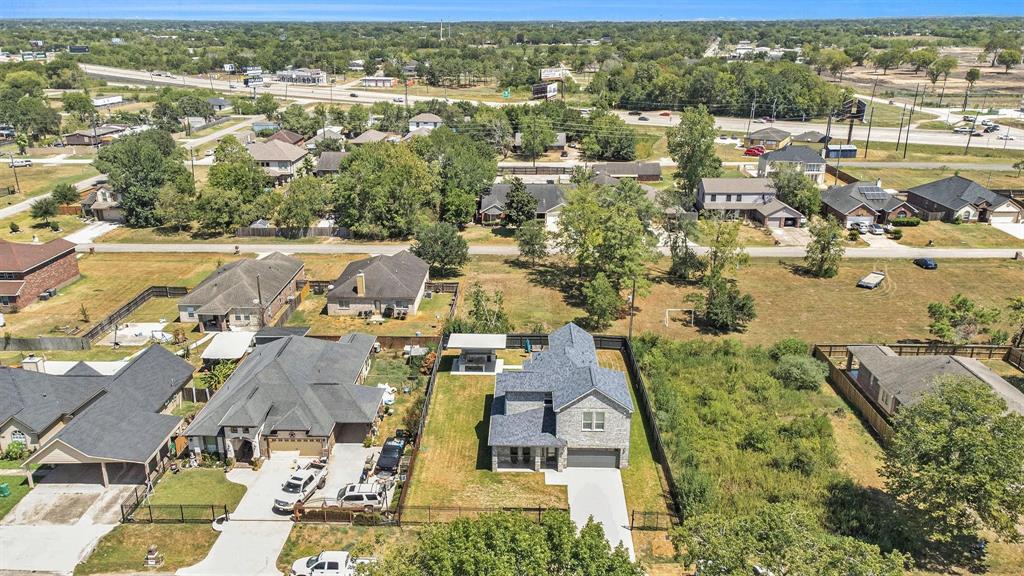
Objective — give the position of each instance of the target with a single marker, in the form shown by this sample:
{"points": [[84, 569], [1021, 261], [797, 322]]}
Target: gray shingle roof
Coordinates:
{"points": [[295, 383], [794, 154], [330, 161], [909, 378], [427, 117], [628, 169], [275, 151], [845, 199], [770, 133], [549, 196], [956, 192], [122, 424], [568, 370], [397, 276], [810, 136], [233, 285]]}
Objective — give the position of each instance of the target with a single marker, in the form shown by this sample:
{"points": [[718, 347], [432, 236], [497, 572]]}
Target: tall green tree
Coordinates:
{"points": [[609, 138], [520, 205], [722, 305], [602, 302], [826, 248], [795, 189], [961, 320], [536, 136], [441, 246], [66, 194], [138, 166], [955, 461], [218, 211], [176, 207], [1009, 58], [692, 146], [234, 169], [532, 240], [44, 209]]}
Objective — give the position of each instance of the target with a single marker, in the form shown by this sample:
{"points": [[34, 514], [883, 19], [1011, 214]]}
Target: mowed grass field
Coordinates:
{"points": [[108, 281], [124, 548], [907, 178], [958, 236], [39, 178], [787, 303]]}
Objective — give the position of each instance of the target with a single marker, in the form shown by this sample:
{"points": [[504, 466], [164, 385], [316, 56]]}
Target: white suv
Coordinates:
{"points": [[365, 497]]}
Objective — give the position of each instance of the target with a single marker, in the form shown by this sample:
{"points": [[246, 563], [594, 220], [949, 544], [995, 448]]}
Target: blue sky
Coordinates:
{"points": [[428, 10]]}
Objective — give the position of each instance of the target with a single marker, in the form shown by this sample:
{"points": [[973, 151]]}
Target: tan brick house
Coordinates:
{"points": [[28, 270]]}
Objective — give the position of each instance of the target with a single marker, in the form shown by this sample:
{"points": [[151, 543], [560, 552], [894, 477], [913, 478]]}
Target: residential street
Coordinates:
{"points": [[24, 205]]}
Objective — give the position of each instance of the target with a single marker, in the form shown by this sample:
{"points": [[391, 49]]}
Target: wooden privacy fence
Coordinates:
{"points": [[848, 389]]}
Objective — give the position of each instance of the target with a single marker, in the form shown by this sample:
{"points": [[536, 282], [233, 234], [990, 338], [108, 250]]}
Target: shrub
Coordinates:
{"points": [[799, 372], [16, 451], [788, 347], [853, 235], [54, 226], [910, 221], [958, 220], [14, 227], [896, 234]]}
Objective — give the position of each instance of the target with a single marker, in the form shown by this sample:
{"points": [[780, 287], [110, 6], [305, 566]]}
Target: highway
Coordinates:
{"points": [[341, 93]]}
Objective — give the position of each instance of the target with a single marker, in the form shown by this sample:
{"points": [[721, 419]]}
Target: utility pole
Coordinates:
{"points": [[17, 185], [1007, 139], [899, 135], [867, 144], [192, 157], [906, 143], [753, 104], [871, 102], [971, 134], [632, 308]]}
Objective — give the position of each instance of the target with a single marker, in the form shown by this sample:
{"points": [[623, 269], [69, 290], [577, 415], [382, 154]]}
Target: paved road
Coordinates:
{"points": [[898, 251], [197, 142], [24, 205]]}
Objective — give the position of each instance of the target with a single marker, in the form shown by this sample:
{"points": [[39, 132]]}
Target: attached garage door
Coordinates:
{"points": [[351, 433], [851, 220], [304, 446], [1004, 218], [593, 458]]}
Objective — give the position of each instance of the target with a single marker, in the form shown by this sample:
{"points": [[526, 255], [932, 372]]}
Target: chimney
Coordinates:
{"points": [[878, 182], [33, 363], [360, 284]]}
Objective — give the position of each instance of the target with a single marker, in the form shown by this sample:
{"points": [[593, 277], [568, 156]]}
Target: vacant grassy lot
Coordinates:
{"points": [[907, 178], [327, 266], [123, 549], [428, 320], [453, 466], [958, 236], [488, 92], [30, 228], [162, 235], [788, 304], [39, 178], [107, 282], [311, 539], [489, 235], [197, 486], [884, 115]]}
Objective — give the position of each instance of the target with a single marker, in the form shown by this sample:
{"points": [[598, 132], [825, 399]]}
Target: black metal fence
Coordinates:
{"points": [[141, 298], [412, 515], [172, 513], [642, 520]]}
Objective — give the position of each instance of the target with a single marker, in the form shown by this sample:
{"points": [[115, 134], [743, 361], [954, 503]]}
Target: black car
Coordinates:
{"points": [[390, 457], [926, 263], [354, 95], [634, 112]]}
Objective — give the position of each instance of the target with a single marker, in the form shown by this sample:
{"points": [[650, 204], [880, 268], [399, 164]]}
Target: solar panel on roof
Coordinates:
{"points": [[874, 193]]}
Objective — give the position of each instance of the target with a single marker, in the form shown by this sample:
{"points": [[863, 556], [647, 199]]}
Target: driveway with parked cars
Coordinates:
{"points": [[597, 492]]}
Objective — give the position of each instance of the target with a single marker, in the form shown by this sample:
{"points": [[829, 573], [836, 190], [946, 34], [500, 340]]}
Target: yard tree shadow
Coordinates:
{"points": [[556, 276], [483, 451]]}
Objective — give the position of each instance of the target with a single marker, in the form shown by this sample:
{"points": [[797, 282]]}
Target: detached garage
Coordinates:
{"points": [[778, 214], [593, 457]]}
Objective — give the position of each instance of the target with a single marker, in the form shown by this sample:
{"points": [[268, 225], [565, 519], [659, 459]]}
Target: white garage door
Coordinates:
{"points": [[1004, 218], [593, 458], [851, 220]]}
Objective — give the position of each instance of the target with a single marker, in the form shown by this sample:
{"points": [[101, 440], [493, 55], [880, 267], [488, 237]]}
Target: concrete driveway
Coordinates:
{"points": [[791, 236], [597, 492], [346, 467], [1015, 230], [58, 523], [252, 540]]}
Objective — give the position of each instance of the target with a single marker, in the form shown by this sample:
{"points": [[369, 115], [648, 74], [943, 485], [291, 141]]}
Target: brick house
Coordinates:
{"points": [[864, 203], [28, 270]]}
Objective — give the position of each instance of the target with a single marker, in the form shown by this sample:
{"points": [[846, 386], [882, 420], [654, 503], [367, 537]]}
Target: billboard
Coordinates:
{"points": [[107, 100], [545, 91], [559, 73], [254, 81]]}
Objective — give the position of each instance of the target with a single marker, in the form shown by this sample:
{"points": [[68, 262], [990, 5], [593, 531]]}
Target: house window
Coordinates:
{"points": [[8, 276], [728, 197], [6, 300], [19, 436], [593, 421], [234, 430]]}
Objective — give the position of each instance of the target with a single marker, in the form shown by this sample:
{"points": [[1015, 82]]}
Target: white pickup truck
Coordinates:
{"points": [[301, 485], [328, 563]]}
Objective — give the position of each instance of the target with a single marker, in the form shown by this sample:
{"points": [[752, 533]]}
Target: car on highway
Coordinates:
{"points": [[991, 129], [754, 151], [1004, 137], [398, 99], [767, 119], [977, 133], [633, 112], [926, 263], [666, 114], [962, 130], [390, 457], [232, 85], [353, 95], [643, 118], [968, 118]]}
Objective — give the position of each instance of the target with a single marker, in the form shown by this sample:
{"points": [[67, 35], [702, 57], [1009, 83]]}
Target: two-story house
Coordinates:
{"points": [[805, 160], [280, 160], [28, 270], [561, 410], [750, 198], [103, 203]]}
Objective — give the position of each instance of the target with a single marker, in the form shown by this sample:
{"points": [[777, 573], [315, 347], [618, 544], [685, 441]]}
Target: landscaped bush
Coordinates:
{"points": [[16, 451], [853, 235], [788, 347], [799, 372], [911, 221], [896, 234]]}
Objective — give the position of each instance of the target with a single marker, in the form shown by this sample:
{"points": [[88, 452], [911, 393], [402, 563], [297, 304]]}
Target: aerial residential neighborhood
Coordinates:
{"points": [[463, 290]]}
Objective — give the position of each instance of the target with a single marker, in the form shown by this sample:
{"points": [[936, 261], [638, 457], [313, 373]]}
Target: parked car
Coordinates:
{"points": [[968, 118], [301, 485], [862, 227], [353, 95], [390, 457], [208, 153], [990, 129], [564, 154], [876, 229], [366, 497], [1004, 137], [327, 563], [232, 85], [20, 163], [926, 263], [754, 151], [985, 123], [962, 130]]}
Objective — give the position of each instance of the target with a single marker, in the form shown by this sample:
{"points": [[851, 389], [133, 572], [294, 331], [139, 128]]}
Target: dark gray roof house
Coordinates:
{"points": [[812, 136], [549, 197], [329, 162], [379, 282], [242, 288], [292, 394], [864, 202], [644, 171], [957, 196], [536, 415], [83, 417], [801, 154]]}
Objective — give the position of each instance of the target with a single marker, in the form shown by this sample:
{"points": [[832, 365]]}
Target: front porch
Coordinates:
{"points": [[528, 458]]}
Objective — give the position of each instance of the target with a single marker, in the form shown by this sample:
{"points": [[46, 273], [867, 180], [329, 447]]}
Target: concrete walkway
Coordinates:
{"points": [[91, 232], [597, 493], [252, 540]]}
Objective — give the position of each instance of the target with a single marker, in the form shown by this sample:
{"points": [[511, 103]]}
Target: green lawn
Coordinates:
{"points": [[40, 230], [489, 235], [944, 234], [453, 466], [390, 368], [38, 179], [888, 116], [197, 486], [123, 549], [907, 178], [19, 488]]}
